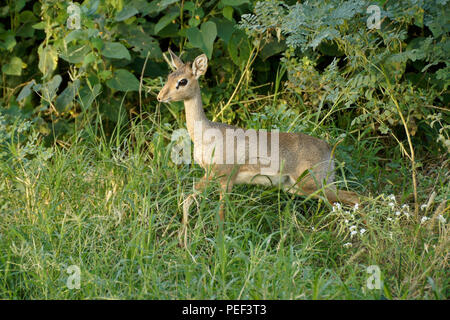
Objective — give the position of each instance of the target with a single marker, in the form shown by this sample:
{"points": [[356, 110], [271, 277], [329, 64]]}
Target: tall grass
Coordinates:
{"points": [[112, 205]]}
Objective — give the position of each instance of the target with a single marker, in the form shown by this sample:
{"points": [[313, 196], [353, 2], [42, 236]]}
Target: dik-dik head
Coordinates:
{"points": [[182, 84]]}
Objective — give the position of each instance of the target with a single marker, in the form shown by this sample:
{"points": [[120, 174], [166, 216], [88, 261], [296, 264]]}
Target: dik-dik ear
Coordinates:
{"points": [[176, 61], [199, 66]]}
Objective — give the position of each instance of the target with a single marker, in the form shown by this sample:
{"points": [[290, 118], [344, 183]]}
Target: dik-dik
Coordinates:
{"points": [[296, 162]]}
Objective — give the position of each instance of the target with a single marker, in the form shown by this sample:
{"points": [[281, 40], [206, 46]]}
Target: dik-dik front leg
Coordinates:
{"points": [[187, 202], [225, 187]]}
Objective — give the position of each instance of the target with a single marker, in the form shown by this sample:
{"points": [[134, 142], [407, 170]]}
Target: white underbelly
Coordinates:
{"points": [[266, 180]]}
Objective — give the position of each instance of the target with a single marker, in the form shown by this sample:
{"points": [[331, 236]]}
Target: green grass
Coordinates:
{"points": [[113, 207]]}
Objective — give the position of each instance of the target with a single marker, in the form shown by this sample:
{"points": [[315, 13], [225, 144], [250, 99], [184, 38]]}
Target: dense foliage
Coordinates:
{"points": [[400, 69], [86, 178], [59, 57]]}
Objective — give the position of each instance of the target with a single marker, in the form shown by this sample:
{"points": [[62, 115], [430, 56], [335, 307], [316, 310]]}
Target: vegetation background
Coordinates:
{"points": [[86, 178]]}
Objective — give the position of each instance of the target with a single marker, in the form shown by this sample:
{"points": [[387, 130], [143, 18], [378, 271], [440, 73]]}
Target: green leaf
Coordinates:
{"points": [[26, 91], [104, 75], [166, 20], [123, 80], [88, 59], [228, 13], [48, 59], [14, 67], [203, 38], [126, 13], [76, 53], [67, 96], [49, 89], [140, 41], [225, 28], [115, 50], [155, 6], [39, 25], [76, 35], [189, 6], [239, 48], [234, 3], [7, 40], [87, 96], [272, 48]]}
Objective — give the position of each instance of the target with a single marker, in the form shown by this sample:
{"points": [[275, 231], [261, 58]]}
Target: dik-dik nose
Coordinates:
{"points": [[161, 95]]}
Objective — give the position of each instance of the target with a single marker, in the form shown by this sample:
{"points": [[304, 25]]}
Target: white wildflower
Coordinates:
{"points": [[347, 245], [406, 213], [362, 231], [353, 233], [356, 207], [352, 228], [346, 221], [391, 204], [423, 207], [424, 219], [397, 213], [391, 197], [442, 219], [389, 219], [405, 207]]}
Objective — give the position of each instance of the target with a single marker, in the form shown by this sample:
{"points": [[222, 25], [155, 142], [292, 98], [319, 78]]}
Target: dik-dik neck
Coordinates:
{"points": [[195, 112]]}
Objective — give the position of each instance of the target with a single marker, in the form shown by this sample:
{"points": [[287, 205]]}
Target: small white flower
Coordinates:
{"points": [[397, 213], [391, 197], [362, 231], [405, 207], [353, 233], [337, 205], [312, 228], [391, 204], [389, 219], [424, 219], [347, 245], [352, 228], [442, 219], [406, 213], [346, 221], [423, 207], [356, 207]]}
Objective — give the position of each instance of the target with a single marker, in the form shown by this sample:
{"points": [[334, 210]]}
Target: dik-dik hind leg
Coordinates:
{"points": [[347, 197], [332, 194]]}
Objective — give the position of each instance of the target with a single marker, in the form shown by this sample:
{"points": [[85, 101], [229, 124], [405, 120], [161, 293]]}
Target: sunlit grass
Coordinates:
{"points": [[113, 207]]}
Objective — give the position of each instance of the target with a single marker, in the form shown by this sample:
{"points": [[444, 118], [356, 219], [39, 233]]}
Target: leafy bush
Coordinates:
{"points": [[75, 57], [334, 59]]}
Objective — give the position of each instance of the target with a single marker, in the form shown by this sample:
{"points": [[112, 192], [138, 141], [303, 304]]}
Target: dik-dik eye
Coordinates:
{"points": [[182, 83]]}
